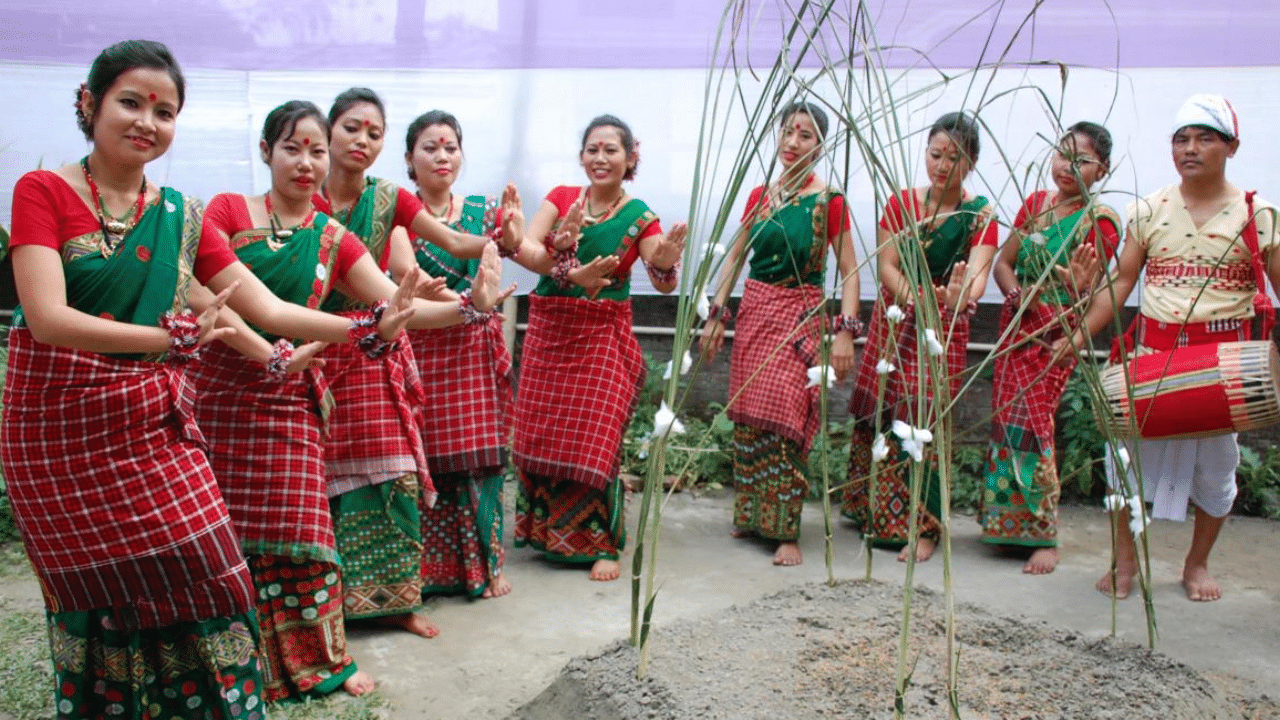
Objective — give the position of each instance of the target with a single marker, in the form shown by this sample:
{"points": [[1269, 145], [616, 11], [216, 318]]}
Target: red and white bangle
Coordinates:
{"points": [[566, 262], [364, 332], [721, 313], [467, 309], [281, 356], [496, 235], [184, 336], [661, 276], [850, 324]]}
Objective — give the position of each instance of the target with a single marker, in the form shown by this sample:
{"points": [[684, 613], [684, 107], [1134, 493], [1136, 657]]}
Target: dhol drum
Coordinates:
{"points": [[1193, 391]]}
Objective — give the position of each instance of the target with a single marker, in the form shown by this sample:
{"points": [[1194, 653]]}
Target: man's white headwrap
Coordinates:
{"points": [[1211, 111]]}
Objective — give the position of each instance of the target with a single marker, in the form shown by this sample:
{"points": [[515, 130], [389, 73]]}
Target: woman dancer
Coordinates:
{"points": [[110, 488], [265, 438], [1052, 231], [938, 239], [580, 362], [375, 487], [466, 375], [788, 226]]}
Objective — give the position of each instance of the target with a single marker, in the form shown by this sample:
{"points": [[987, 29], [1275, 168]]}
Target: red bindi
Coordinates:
{"points": [[152, 97], [306, 141], [366, 123]]}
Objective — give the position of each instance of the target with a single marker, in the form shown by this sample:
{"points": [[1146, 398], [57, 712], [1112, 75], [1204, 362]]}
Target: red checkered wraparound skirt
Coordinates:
{"points": [[375, 429], [774, 345], [466, 375], [265, 445], [581, 371], [896, 342], [111, 489]]}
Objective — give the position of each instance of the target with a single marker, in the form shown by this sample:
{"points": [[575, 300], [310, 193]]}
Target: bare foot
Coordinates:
{"points": [[924, 550], [413, 622], [359, 683], [1199, 585], [498, 587], [1042, 561], [1124, 582], [788, 554], [605, 570]]}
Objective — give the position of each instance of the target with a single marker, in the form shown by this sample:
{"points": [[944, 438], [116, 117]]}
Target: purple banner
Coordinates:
{"points": [[493, 34]]}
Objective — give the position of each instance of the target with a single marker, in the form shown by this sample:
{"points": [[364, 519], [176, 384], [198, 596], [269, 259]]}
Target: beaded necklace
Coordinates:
{"points": [[590, 218], [279, 233], [115, 229]]}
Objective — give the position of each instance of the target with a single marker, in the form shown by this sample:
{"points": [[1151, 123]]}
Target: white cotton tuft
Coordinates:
{"points": [[665, 421], [818, 372], [894, 313], [931, 341], [884, 367]]}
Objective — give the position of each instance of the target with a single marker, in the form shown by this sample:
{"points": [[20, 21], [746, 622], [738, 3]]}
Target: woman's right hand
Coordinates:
{"points": [[305, 357], [712, 338], [595, 275], [566, 236], [208, 319], [399, 307]]}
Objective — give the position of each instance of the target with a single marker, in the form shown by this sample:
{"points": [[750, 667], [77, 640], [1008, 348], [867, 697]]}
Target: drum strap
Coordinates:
{"points": [[1262, 308]]}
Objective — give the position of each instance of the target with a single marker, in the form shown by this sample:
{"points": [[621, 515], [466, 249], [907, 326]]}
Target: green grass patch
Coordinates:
{"points": [[26, 673]]}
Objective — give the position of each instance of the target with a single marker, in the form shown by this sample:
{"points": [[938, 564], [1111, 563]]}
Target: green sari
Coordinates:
{"points": [[600, 239]]}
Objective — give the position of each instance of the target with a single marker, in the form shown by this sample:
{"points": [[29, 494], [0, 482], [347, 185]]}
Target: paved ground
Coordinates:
{"points": [[494, 655]]}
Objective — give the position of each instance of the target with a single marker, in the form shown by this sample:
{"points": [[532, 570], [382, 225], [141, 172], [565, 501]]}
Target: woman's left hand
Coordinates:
{"points": [[433, 288], [670, 247], [842, 354], [485, 294], [304, 357]]}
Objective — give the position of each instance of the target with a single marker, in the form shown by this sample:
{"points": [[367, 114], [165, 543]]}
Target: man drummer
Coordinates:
{"points": [[1199, 288]]}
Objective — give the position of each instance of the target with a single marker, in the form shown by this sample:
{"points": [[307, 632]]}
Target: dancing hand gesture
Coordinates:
{"points": [[670, 247], [485, 294], [566, 236], [512, 218], [400, 307], [209, 318]]}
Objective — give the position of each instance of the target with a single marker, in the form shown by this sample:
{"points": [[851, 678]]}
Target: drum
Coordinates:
{"points": [[1192, 391]]}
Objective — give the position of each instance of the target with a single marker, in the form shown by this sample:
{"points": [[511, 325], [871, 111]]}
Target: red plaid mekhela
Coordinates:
{"points": [[896, 342], [111, 489], [375, 429], [265, 445], [1030, 384], [468, 368], [775, 343], [581, 371]]}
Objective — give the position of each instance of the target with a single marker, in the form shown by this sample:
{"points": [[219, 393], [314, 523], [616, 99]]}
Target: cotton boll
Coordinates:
{"points": [[818, 372], [931, 341], [894, 313]]}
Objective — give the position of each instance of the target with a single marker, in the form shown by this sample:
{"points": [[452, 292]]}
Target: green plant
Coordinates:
{"points": [[969, 478], [1081, 445], [1258, 478]]}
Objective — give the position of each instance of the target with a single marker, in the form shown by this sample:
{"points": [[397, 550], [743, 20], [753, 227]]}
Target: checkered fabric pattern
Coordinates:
{"points": [[774, 345], [111, 488], [896, 342], [581, 371], [265, 447], [1028, 385], [375, 429], [466, 376]]}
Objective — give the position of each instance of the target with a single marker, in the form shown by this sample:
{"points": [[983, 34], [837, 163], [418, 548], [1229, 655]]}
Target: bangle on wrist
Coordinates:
{"points": [[664, 277], [467, 309], [496, 236], [851, 324], [184, 336], [281, 356], [566, 261], [721, 313], [364, 332]]}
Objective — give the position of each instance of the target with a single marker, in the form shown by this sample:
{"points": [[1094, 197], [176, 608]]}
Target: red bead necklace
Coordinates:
{"points": [[278, 230], [115, 229]]}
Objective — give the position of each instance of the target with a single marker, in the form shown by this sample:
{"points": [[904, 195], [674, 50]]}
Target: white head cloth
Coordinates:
{"points": [[1211, 111]]}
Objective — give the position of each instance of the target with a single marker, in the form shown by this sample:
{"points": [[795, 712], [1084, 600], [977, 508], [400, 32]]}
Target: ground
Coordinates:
{"points": [[493, 656]]}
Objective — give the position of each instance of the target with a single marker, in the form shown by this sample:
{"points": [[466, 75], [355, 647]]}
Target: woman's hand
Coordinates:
{"points": [[1081, 269], [566, 237], [1066, 350], [670, 247], [953, 296], [595, 275], [485, 294], [433, 288], [842, 354], [304, 357], [400, 307], [712, 338], [512, 218], [209, 318]]}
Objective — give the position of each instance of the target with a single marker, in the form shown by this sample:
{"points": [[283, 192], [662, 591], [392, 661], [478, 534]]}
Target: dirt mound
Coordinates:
{"points": [[831, 652]]}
